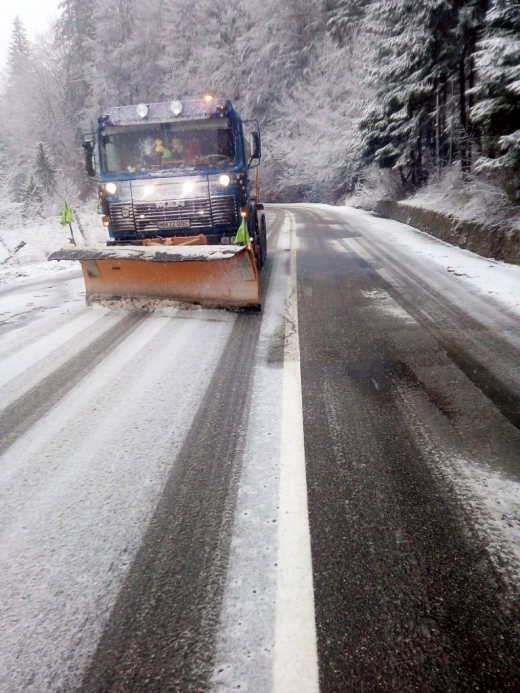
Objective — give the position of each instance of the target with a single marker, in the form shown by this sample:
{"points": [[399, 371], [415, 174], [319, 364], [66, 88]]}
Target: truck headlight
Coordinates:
{"points": [[142, 110], [111, 188], [224, 180], [176, 107]]}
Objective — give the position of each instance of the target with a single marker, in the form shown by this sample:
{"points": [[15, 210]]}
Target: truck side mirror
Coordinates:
{"points": [[255, 149], [89, 147], [257, 146]]}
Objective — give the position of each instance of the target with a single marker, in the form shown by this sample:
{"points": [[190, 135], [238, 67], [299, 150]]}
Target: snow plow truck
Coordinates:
{"points": [[180, 201]]}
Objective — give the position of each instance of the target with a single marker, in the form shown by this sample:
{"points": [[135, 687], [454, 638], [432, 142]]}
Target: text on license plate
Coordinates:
{"points": [[177, 224]]}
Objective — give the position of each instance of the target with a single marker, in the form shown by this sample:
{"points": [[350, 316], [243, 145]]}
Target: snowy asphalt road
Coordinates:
{"points": [[164, 477]]}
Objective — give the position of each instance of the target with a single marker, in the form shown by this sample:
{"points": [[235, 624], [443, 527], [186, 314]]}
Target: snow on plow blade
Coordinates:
{"points": [[214, 276]]}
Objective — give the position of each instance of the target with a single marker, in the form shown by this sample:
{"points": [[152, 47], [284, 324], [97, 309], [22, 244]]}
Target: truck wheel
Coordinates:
{"points": [[257, 245], [263, 239]]}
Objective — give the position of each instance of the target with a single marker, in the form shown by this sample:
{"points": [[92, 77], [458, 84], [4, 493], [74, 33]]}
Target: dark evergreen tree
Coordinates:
{"points": [[423, 74], [470, 20], [19, 53], [399, 131], [44, 171], [75, 35], [497, 110], [31, 198], [344, 17]]}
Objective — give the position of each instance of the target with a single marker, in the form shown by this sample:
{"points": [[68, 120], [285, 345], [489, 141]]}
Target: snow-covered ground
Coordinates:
{"points": [[64, 491], [24, 249], [492, 278], [476, 200]]}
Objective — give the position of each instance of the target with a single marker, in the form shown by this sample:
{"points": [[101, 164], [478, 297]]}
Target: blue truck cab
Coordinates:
{"points": [[177, 170]]}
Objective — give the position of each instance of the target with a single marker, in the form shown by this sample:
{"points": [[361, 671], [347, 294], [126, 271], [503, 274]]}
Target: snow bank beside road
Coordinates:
{"points": [[493, 278], [484, 239], [24, 249]]}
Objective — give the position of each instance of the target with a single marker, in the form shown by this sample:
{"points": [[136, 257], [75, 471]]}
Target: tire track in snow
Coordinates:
{"points": [[18, 417], [163, 629], [468, 339], [161, 633], [45, 352], [80, 488], [23, 359]]}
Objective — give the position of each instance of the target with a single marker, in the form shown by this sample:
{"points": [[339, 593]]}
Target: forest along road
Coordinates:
{"points": [[322, 497]]}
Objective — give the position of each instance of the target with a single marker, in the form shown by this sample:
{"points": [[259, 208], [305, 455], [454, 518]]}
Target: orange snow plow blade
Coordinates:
{"points": [[214, 276]]}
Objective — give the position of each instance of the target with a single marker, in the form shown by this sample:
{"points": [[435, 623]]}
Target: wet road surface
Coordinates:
{"points": [[168, 477]]}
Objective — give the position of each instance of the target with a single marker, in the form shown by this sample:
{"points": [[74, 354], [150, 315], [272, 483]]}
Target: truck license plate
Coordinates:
{"points": [[177, 224]]}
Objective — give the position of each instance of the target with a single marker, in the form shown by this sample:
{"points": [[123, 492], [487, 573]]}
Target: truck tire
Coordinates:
{"points": [[263, 240], [257, 244]]}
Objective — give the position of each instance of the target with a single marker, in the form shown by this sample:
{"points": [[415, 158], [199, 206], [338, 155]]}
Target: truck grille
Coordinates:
{"points": [[224, 211], [153, 218]]}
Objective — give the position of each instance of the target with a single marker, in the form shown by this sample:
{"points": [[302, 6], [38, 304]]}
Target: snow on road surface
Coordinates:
{"points": [[80, 479], [79, 486], [489, 278], [488, 290]]}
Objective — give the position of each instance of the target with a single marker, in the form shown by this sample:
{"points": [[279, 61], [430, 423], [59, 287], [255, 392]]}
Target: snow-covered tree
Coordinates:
{"points": [[205, 48], [497, 110], [328, 99], [344, 17], [75, 38], [19, 54], [16, 106], [44, 171], [31, 198], [397, 127], [112, 78], [422, 69]]}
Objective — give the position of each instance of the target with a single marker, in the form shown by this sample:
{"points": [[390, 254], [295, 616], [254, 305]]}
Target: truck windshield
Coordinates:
{"points": [[162, 146]]}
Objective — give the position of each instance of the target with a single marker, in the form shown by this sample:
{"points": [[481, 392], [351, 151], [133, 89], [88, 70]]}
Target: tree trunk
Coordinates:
{"points": [[465, 146]]}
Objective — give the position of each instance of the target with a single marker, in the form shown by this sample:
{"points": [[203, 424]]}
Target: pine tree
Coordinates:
{"points": [[44, 171], [397, 128], [470, 20], [344, 17], [31, 198], [75, 37], [19, 53], [129, 47], [16, 106], [210, 50], [497, 110], [424, 78]]}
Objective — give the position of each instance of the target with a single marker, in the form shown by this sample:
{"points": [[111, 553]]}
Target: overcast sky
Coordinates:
{"points": [[36, 16]]}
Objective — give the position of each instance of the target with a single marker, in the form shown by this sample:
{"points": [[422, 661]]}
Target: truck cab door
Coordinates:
{"points": [[89, 147]]}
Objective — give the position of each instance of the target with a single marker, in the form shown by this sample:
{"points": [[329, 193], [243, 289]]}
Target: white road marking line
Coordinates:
{"points": [[296, 658], [285, 239]]}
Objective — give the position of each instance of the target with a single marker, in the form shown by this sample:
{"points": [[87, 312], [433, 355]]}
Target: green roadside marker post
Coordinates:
{"points": [[67, 218]]}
